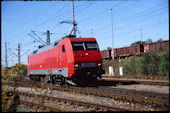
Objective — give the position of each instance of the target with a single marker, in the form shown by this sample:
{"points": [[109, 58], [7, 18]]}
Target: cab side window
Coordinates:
{"points": [[63, 48]]}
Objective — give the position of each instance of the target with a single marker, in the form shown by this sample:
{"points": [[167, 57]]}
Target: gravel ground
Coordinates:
{"points": [[149, 88], [23, 108], [95, 99]]}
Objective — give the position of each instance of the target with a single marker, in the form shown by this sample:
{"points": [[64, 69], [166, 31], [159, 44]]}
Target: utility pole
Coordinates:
{"points": [[48, 37], [19, 56], [74, 31], [112, 37], [19, 53], [6, 60], [141, 35], [91, 32]]}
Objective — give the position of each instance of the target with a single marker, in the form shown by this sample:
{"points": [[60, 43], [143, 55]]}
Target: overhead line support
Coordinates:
{"points": [[112, 36]]}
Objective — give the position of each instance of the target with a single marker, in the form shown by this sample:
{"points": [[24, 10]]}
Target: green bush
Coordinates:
{"points": [[143, 64], [149, 63], [163, 69], [152, 63], [130, 66]]}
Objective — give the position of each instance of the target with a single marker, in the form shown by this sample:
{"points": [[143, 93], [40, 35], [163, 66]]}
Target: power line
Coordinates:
{"points": [[45, 21], [39, 37], [145, 18], [43, 12], [85, 8], [25, 53], [36, 39], [19, 53], [139, 17], [59, 15], [99, 18], [66, 15], [130, 17], [102, 11], [148, 26], [31, 28]]}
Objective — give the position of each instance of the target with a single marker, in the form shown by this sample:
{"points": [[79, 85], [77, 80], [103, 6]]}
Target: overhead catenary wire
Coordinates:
{"points": [[30, 20], [36, 39], [106, 13], [101, 12], [28, 29], [39, 37], [148, 26], [40, 24], [133, 18], [80, 11], [45, 22]]}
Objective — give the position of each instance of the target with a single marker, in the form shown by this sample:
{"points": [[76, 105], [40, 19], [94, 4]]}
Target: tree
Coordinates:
{"points": [[149, 41], [109, 48], [138, 42], [160, 40]]}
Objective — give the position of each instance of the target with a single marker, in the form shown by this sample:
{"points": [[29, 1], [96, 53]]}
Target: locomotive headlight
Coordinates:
{"points": [[77, 65], [99, 64]]}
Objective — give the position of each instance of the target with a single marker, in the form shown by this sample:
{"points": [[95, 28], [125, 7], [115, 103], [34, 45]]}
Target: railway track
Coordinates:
{"points": [[40, 107], [157, 99], [107, 81], [67, 104], [143, 97], [113, 81]]}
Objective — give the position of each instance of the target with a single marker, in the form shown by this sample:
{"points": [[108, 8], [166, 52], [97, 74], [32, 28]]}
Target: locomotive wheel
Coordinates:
{"points": [[58, 79], [35, 77], [31, 77]]}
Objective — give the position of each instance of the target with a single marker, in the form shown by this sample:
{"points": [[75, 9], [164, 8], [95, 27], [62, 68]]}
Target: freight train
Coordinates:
{"points": [[134, 50], [70, 60]]}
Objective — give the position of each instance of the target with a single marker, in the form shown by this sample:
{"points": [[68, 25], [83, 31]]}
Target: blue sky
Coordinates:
{"points": [[130, 17]]}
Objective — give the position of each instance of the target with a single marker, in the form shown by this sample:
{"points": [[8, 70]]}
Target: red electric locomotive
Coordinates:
{"points": [[72, 60]]}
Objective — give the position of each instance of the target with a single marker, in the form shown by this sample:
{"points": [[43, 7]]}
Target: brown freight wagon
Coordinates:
{"points": [[121, 52], [137, 49], [155, 46], [128, 51], [106, 54]]}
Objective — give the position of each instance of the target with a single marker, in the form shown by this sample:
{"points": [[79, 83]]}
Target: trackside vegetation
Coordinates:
{"points": [[153, 63], [11, 74]]}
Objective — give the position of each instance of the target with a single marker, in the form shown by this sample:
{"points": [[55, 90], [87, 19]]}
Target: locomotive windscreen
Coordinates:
{"points": [[84, 46]]}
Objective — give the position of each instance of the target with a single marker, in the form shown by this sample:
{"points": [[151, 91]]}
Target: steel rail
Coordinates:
{"points": [[42, 107], [87, 104], [146, 82], [122, 94], [129, 95]]}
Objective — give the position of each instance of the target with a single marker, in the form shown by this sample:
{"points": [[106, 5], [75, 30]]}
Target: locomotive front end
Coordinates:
{"points": [[87, 59]]}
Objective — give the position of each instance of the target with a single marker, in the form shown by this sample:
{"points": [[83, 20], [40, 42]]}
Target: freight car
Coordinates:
{"points": [[135, 49], [156, 46], [128, 51], [71, 60], [106, 54], [122, 52]]}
